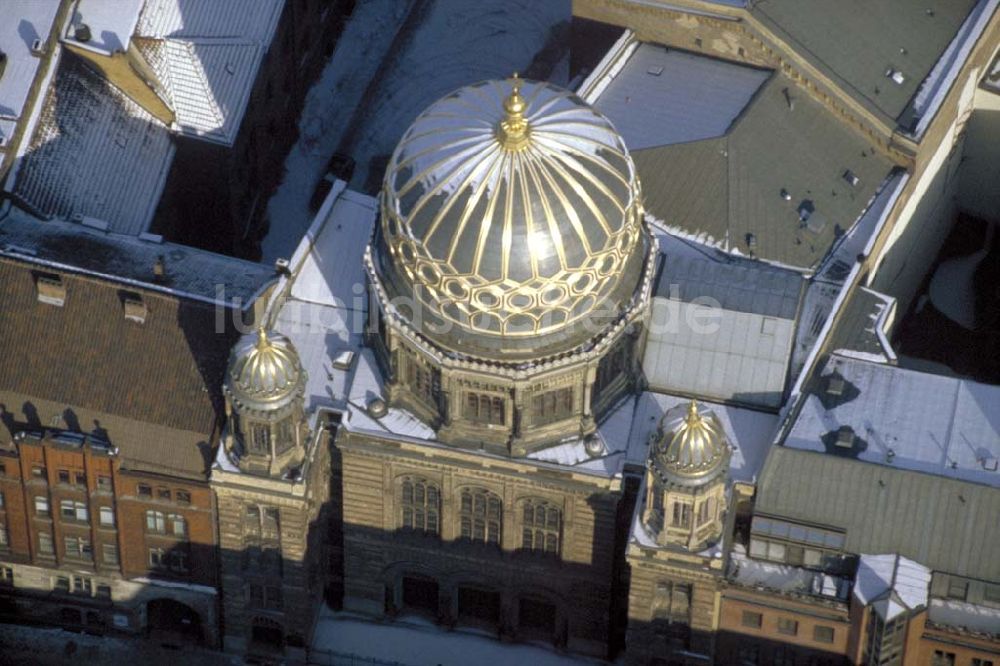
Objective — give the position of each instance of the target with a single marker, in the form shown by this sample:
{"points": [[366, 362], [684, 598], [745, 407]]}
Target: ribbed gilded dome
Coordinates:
{"points": [[264, 372], [511, 215], [690, 449]]}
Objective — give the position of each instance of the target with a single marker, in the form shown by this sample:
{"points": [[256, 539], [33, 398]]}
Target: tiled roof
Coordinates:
{"points": [[159, 377], [95, 153]]}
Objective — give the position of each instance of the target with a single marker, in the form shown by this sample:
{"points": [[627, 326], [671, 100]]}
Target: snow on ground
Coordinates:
{"points": [[43, 646], [417, 642], [953, 291], [393, 59], [327, 112]]}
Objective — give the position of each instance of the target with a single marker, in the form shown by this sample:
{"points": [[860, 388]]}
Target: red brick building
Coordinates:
{"points": [[110, 412]]}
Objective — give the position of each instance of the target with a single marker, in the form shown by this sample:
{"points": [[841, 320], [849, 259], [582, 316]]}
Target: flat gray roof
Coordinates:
{"points": [[863, 43], [749, 163], [664, 96]]}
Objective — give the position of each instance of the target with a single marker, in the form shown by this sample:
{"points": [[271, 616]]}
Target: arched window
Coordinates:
{"points": [[480, 515], [260, 439], [681, 515], [484, 408], [420, 505], [156, 522], [610, 367], [541, 527], [552, 405], [421, 380]]}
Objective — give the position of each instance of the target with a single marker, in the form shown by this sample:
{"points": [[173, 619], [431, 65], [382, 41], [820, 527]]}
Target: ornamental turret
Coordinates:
{"points": [[686, 478], [265, 389]]}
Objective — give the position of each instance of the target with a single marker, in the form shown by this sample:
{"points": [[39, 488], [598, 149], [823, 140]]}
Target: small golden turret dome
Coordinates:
{"points": [[690, 449], [264, 372]]}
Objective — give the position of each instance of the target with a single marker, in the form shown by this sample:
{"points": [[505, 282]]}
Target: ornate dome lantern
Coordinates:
{"points": [[686, 478], [511, 217], [264, 389]]}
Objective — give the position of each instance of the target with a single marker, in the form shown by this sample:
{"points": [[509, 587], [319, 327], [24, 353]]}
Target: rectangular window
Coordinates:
{"points": [[758, 548], [991, 595], [41, 506], [61, 584], [107, 516], [64, 476], [45, 546], [80, 479], [942, 658], [976, 661], [823, 634], [75, 511], [3, 469], [179, 525], [103, 482], [78, 547], [156, 557], [183, 497], [1, 500], [3, 536], [752, 619], [145, 491], [163, 494], [787, 626], [776, 551], [38, 472], [957, 588], [812, 558], [177, 560], [103, 591], [156, 522], [109, 553], [83, 585]]}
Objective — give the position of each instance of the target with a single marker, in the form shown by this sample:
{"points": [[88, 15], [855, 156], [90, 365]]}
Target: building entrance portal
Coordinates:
{"points": [[420, 594]]}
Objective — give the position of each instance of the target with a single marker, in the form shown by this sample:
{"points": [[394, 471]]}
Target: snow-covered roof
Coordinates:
{"points": [[722, 329], [111, 24], [86, 247], [892, 584], [963, 615], [903, 418], [784, 578], [95, 153], [663, 96], [23, 22], [206, 55], [749, 432]]}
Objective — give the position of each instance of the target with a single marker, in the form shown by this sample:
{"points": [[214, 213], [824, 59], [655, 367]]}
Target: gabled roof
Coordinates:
{"points": [[151, 385], [206, 55]]}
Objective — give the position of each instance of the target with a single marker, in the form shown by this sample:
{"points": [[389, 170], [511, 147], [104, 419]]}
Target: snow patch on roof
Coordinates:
{"points": [[892, 584]]}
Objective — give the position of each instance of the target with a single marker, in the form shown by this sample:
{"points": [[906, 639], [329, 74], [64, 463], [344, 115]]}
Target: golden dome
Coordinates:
{"points": [[691, 449], [511, 216], [264, 372]]}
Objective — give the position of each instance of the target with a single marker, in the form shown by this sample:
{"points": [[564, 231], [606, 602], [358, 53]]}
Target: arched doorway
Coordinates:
{"points": [[173, 622], [266, 635], [420, 594]]}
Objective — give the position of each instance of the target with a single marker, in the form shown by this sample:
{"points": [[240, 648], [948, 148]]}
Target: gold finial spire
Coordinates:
{"points": [[262, 341], [693, 416], [513, 130]]}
